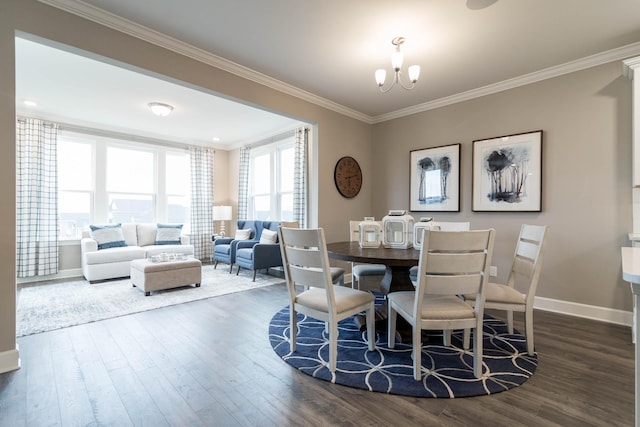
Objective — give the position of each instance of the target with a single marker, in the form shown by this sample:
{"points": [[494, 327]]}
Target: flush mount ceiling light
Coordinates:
{"points": [[396, 64], [160, 109]]}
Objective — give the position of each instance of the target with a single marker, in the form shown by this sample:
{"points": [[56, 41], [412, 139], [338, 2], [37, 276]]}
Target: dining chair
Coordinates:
{"points": [[358, 271], [451, 263], [443, 226], [305, 260], [525, 271]]}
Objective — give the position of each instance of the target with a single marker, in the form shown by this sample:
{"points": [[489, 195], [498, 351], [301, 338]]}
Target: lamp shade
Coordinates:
{"points": [[222, 213]]}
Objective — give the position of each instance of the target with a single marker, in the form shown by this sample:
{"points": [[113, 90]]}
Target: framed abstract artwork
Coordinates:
{"points": [[507, 173], [435, 179]]}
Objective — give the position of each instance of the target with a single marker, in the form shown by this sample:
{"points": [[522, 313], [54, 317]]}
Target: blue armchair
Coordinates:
{"points": [[253, 255], [224, 249]]}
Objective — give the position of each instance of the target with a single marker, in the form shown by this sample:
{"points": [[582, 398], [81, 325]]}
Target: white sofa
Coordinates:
{"points": [[115, 262]]}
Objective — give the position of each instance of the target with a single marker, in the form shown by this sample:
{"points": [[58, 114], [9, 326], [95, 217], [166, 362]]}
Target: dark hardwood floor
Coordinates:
{"points": [[209, 363]]}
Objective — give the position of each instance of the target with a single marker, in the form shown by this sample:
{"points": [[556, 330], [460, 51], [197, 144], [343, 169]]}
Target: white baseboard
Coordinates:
{"points": [[62, 274], [9, 360], [594, 312]]}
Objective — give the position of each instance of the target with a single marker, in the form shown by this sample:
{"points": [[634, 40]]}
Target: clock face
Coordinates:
{"points": [[348, 177]]}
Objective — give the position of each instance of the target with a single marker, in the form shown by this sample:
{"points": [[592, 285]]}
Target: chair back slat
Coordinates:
{"points": [[453, 285], [454, 263], [523, 267], [305, 259]]}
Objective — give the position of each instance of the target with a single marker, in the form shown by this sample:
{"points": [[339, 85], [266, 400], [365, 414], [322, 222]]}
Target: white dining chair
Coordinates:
{"points": [[525, 272], [306, 263], [451, 263]]}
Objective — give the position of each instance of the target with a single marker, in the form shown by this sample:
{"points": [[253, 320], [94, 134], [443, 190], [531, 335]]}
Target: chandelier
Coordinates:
{"points": [[396, 64]]}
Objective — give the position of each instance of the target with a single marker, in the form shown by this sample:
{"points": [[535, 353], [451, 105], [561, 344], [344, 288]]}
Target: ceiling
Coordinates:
{"points": [[326, 52]]}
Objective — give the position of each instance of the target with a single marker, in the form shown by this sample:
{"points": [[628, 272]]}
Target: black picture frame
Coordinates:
{"points": [[507, 173], [435, 179]]}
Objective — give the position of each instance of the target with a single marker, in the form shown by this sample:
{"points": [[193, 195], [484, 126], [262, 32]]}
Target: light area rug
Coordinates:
{"points": [[45, 307]]}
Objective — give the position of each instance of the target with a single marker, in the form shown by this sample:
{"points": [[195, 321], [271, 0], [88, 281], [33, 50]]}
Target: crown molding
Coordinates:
{"points": [[92, 13], [548, 73]]}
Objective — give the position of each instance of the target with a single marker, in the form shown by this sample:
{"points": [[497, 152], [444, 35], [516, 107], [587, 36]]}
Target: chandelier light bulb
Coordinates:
{"points": [[396, 63]]}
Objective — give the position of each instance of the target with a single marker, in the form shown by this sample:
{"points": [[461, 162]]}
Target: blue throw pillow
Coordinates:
{"points": [[168, 234], [108, 236]]}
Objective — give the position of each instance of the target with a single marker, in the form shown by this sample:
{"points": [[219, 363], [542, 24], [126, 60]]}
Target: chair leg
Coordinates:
{"points": [[528, 327], [466, 337], [238, 272], [477, 350], [293, 328], [371, 327], [254, 275], [391, 326], [215, 265], [417, 352], [446, 337], [333, 347], [230, 268], [510, 321]]}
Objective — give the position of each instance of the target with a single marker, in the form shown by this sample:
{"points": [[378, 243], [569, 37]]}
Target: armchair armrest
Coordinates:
{"points": [[222, 241], [241, 244], [185, 239], [267, 255]]}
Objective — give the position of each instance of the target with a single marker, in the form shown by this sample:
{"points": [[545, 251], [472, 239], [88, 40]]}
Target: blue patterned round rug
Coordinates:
{"points": [[447, 371]]}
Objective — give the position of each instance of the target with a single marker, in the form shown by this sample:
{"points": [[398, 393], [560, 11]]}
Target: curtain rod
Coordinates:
{"points": [[115, 135], [275, 138]]}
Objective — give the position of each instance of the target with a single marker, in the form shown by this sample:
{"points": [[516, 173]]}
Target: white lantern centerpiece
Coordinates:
{"points": [[397, 230], [369, 233]]}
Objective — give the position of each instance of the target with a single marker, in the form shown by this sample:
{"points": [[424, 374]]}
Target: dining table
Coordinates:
{"points": [[397, 261]]}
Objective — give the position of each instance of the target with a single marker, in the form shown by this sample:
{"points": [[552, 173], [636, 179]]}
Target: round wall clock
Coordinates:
{"points": [[348, 177]]}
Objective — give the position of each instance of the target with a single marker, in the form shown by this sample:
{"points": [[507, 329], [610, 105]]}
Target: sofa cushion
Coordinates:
{"points": [[147, 234], [268, 236], [130, 232], [113, 255], [243, 234], [168, 234], [108, 236]]}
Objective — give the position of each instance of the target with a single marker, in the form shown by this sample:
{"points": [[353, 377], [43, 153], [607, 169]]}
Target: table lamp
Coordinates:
{"points": [[222, 214]]}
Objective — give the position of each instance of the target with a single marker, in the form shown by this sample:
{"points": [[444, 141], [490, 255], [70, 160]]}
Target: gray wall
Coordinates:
{"points": [[586, 119]]}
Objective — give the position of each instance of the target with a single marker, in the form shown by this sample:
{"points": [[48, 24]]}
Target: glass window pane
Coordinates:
{"points": [[130, 171], [286, 169], [261, 174], [74, 209], [286, 207], [262, 207], [178, 174], [75, 171], [130, 208], [179, 212]]}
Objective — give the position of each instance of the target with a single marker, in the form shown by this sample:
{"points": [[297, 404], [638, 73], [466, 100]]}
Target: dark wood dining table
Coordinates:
{"points": [[397, 261]]}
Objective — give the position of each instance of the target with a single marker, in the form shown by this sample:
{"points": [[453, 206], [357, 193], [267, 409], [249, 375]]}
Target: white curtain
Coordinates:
{"points": [[300, 177], [243, 182], [202, 161], [37, 226]]}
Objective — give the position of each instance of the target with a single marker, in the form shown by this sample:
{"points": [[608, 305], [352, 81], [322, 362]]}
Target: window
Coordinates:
{"points": [[271, 182], [75, 186], [103, 180], [130, 185]]}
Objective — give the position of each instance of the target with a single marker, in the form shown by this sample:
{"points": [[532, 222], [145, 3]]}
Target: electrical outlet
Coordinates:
{"points": [[493, 271]]}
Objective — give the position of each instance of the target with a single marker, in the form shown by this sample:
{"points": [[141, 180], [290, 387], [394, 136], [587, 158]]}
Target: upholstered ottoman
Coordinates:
{"points": [[154, 276]]}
